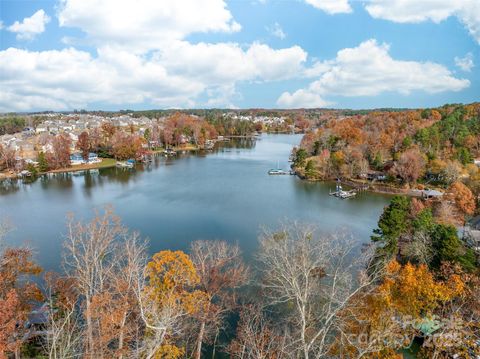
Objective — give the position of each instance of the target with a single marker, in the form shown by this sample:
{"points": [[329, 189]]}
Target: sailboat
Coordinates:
{"points": [[277, 171]]}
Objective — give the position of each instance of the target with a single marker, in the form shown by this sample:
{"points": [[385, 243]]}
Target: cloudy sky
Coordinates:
{"points": [[143, 54]]}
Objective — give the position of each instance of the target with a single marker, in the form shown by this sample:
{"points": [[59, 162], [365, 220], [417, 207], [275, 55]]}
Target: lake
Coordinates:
{"points": [[225, 194]]}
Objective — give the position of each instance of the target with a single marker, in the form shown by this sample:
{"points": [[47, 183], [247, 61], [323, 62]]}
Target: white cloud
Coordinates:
{"points": [[302, 99], [465, 63], [331, 6], [277, 31], [70, 79], [142, 57], [67, 79], [369, 70], [145, 24], [30, 26], [414, 11]]}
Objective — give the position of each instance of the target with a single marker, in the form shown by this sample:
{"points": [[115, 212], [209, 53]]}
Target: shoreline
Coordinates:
{"points": [[392, 191], [105, 163]]}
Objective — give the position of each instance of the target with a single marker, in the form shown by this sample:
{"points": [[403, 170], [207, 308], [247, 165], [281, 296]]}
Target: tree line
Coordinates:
{"points": [[432, 147]]}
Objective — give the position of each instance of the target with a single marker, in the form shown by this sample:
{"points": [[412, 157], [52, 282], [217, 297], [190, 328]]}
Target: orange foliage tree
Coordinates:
{"points": [[463, 198], [387, 318], [17, 296]]}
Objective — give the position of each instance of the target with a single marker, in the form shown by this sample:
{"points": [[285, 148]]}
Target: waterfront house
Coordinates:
{"points": [[431, 193], [76, 159], [472, 233], [93, 158], [374, 176]]}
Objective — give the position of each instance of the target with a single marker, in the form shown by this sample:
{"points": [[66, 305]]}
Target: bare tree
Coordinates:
{"points": [[419, 248], [90, 250], [313, 279], [131, 260], [257, 337], [221, 270], [63, 330]]}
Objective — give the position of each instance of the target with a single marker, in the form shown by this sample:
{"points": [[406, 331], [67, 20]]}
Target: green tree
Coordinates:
{"points": [[424, 221], [464, 155], [378, 161], [42, 162], [448, 248], [393, 222], [300, 157], [147, 134], [310, 171], [31, 168]]}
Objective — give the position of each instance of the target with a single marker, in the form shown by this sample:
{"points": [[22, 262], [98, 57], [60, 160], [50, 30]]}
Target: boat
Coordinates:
{"points": [[127, 164], [24, 174], [277, 171], [340, 193], [169, 152]]}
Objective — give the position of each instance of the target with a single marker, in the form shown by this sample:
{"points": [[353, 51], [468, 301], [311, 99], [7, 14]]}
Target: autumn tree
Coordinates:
{"points": [[60, 155], [463, 199], [220, 270], [167, 297], [63, 327], [83, 144], [126, 146], [108, 130], [387, 317], [410, 166], [8, 157], [17, 295], [92, 260]]}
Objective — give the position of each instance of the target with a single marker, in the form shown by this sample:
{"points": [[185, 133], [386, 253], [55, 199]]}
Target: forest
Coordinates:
{"points": [[412, 149]]}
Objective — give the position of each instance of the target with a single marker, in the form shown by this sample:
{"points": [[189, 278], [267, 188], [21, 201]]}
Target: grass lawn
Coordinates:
{"points": [[106, 162]]}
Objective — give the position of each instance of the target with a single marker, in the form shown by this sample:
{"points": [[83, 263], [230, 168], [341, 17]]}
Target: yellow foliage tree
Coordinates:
{"points": [[382, 321], [169, 295]]}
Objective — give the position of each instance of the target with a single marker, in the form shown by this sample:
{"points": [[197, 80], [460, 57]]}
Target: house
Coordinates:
{"points": [[472, 233], [374, 176], [28, 131], [431, 193], [93, 158], [477, 162], [76, 159], [37, 322]]}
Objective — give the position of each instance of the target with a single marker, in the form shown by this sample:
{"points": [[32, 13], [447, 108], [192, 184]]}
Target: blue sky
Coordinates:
{"points": [[72, 54]]}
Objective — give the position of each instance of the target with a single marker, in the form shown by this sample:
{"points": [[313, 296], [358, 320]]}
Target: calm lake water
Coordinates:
{"points": [[226, 195]]}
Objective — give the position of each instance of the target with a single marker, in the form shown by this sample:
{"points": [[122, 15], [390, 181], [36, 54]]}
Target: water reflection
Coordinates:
{"points": [[220, 194]]}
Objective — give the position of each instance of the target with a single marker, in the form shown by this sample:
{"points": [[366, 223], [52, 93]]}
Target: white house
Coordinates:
{"points": [[76, 159]]}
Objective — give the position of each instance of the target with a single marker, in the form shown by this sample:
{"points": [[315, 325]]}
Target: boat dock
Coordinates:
{"points": [[340, 193]]}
